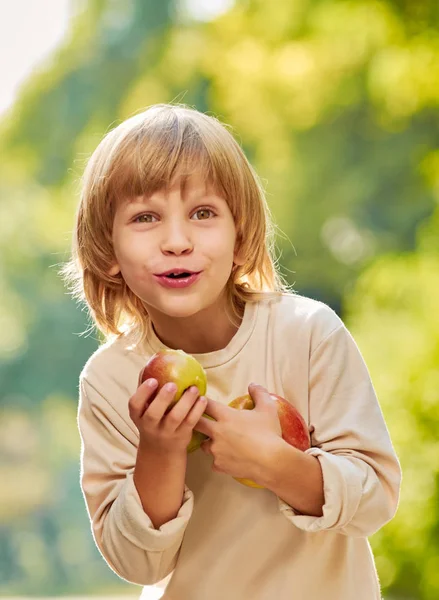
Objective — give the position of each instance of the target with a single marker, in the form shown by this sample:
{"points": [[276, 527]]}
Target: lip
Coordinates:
{"points": [[183, 282], [177, 272]]}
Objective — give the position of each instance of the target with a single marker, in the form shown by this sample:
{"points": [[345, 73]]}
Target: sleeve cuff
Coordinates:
{"points": [[342, 486], [138, 528]]}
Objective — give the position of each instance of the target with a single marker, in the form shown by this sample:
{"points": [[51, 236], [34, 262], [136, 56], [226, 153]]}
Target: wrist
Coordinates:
{"points": [[146, 448], [264, 461], [270, 461]]}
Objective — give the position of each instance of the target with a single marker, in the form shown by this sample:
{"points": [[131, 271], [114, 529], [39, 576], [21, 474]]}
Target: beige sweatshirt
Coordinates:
{"points": [[229, 540]]}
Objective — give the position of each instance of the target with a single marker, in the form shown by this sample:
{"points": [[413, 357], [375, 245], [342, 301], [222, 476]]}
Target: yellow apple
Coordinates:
{"points": [[184, 370]]}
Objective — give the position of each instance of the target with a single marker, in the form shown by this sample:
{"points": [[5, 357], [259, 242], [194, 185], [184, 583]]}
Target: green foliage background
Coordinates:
{"points": [[335, 103]]}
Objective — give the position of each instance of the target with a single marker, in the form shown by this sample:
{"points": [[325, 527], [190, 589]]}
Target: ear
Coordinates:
{"points": [[238, 257], [238, 261], [115, 269]]}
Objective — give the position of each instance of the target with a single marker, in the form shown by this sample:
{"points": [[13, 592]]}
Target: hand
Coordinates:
{"points": [[241, 440], [162, 428]]}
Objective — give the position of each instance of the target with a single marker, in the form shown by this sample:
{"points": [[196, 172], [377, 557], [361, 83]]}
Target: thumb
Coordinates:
{"points": [[260, 395]]}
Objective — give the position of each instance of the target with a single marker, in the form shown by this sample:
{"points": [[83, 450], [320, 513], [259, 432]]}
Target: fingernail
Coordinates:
{"points": [[170, 387], [152, 383]]}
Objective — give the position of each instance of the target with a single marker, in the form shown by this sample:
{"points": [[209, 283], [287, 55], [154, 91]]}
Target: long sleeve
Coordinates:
{"points": [[123, 532], [361, 473]]}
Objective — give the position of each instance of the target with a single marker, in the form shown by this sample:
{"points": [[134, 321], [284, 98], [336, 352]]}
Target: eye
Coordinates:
{"points": [[144, 218], [204, 213]]}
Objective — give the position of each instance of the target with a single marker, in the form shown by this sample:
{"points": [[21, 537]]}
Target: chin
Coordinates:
{"points": [[180, 313], [179, 308]]}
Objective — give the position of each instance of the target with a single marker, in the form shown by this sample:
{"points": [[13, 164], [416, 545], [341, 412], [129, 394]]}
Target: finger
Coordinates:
{"points": [[195, 412], [141, 398], [206, 426], [179, 412], [259, 394], [161, 403], [205, 447], [217, 411]]}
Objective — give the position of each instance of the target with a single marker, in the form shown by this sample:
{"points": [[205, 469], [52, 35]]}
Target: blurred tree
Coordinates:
{"points": [[46, 544], [393, 315]]}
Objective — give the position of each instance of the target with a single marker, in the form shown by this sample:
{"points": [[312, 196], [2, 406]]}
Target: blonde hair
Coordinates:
{"points": [[140, 156]]}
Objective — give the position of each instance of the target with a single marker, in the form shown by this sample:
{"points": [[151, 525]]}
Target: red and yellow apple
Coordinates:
{"points": [[293, 425], [176, 366]]}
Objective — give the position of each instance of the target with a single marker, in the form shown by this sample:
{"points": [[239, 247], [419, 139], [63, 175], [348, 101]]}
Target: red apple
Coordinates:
{"points": [[184, 370], [293, 425]]}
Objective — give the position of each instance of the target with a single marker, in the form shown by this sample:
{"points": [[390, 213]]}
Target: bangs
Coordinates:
{"points": [[153, 153]]}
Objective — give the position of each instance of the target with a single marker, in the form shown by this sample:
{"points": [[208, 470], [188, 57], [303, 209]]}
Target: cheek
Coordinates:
{"points": [[130, 250], [221, 244], [136, 276], [130, 257]]}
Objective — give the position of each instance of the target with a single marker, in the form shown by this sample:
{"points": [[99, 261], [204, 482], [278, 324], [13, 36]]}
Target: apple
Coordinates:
{"points": [[178, 367], [184, 370], [293, 425]]}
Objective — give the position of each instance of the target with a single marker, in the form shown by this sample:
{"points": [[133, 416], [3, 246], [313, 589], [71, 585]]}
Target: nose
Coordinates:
{"points": [[176, 238]]}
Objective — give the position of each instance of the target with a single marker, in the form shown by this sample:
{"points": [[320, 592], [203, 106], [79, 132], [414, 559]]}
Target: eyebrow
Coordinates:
{"points": [[146, 199]]}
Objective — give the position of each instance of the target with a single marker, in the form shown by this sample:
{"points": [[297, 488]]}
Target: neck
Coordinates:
{"points": [[207, 331]]}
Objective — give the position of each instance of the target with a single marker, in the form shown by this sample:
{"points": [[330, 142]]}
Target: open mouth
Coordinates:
{"points": [[178, 276], [178, 280]]}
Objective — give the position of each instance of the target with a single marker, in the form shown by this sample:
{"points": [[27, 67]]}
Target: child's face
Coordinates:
{"points": [[192, 228]]}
